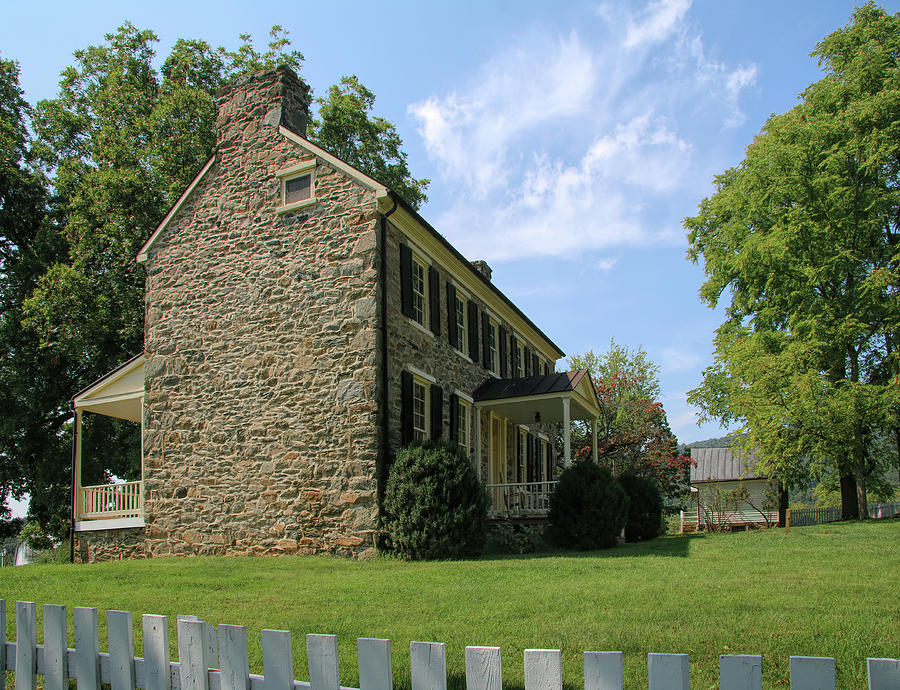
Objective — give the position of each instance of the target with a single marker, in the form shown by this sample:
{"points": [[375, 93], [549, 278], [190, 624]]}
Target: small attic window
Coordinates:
{"points": [[298, 186]]}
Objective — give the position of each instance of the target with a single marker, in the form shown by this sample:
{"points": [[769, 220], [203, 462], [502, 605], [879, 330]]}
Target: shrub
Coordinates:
{"points": [[504, 538], [434, 506], [587, 509], [645, 508]]}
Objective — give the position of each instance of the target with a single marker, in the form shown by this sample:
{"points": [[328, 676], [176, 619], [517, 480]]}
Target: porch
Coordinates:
{"points": [[109, 506], [521, 461]]}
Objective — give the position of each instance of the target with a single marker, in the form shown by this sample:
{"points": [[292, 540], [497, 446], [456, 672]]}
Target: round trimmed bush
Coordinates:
{"points": [[645, 507], [434, 506], [587, 509]]}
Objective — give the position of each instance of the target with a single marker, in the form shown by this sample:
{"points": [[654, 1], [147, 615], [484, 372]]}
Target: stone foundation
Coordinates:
{"points": [[110, 545]]}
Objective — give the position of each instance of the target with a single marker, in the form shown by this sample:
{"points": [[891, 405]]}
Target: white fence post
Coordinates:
{"points": [[192, 655], [322, 659], [812, 673], [56, 646], [603, 671], [235, 660], [483, 668], [156, 652], [428, 665], [740, 672], [278, 660], [884, 674], [26, 645], [121, 650], [543, 669], [2, 644], [374, 659], [668, 671], [87, 648]]}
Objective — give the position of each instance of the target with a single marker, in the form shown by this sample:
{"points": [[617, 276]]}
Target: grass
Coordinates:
{"points": [[829, 590]]}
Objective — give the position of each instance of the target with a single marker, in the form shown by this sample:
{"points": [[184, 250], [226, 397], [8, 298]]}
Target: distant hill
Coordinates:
{"points": [[721, 442]]}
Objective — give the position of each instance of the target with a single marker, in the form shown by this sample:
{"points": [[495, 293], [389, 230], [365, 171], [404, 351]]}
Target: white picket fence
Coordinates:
{"points": [[211, 659]]}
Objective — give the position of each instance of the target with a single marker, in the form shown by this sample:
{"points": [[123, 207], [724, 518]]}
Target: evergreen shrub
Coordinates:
{"points": [[587, 509], [645, 508], [434, 506]]}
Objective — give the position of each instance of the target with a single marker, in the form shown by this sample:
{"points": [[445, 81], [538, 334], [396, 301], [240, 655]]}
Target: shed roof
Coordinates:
{"points": [[723, 465]]}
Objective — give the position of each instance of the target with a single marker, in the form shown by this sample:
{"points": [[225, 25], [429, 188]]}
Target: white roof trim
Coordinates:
{"points": [[84, 397], [144, 252], [379, 189]]}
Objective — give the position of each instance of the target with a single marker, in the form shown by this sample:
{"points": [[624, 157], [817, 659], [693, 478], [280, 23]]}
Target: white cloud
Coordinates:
{"points": [[606, 263], [674, 359], [657, 22], [570, 144]]}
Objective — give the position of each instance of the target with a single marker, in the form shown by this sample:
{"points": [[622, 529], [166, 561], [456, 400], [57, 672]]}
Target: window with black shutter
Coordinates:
{"points": [[451, 315], [406, 407], [528, 362], [530, 457], [485, 340], [454, 417], [406, 291]]}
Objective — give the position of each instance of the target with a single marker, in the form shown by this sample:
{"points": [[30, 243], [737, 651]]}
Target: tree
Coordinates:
{"points": [[633, 433], [371, 144], [117, 146], [802, 236]]}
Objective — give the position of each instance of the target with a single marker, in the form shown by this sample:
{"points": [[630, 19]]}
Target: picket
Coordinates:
{"points": [[812, 673], [603, 671], [56, 645], [668, 671], [213, 658], [884, 674], [428, 665]]}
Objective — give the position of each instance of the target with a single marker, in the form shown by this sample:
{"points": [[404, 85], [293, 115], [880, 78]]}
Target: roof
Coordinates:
{"points": [[494, 389], [723, 465]]}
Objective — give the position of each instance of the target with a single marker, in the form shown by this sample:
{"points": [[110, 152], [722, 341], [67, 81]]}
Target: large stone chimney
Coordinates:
{"points": [[263, 99], [483, 268]]}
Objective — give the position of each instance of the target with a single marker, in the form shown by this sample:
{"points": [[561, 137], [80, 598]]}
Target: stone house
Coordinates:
{"points": [[302, 322]]}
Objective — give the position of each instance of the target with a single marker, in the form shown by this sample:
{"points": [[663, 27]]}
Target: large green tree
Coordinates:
{"points": [[111, 154], [800, 242]]}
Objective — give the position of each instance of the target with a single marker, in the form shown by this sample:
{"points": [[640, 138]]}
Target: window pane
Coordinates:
{"points": [[460, 324], [419, 412], [297, 189], [418, 289]]}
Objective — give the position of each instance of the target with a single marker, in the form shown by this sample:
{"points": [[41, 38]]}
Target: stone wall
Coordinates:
{"points": [[110, 545], [260, 410]]}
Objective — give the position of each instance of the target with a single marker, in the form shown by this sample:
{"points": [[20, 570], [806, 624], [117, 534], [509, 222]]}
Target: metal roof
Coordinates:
{"points": [[723, 465], [495, 389]]}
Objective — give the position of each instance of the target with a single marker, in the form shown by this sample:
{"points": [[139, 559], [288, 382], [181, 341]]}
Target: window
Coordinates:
{"points": [[520, 360], [520, 455], [461, 331], [420, 409], [419, 300], [298, 186], [492, 346], [542, 467], [462, 425]]}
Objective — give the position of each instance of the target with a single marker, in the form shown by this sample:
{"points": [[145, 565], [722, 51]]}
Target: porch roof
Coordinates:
{"points": [[118, 394], [525, 400]]}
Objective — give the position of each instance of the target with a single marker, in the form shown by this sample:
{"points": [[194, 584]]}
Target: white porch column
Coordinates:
{"points": [[478, 441], [79, 508], [567, 433], [594, 437]]}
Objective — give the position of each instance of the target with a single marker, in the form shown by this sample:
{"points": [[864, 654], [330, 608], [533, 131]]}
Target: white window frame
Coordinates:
{"points": [[494, 345], [464, 425], [419, 310], [522, 453], [286, 175], [520, 356], [462, 321], [420, 383]]}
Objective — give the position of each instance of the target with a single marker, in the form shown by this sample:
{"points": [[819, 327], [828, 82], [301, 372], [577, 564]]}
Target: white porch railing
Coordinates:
{"points": [[111, 501], [523, 498]]}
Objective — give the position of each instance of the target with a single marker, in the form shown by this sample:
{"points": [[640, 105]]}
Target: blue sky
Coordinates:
{"points": [[565, 141]]}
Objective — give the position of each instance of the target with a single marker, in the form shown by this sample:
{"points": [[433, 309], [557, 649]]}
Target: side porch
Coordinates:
{"points": [[119, 505]]}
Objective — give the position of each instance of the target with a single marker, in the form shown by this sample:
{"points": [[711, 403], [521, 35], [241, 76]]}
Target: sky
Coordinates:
{"points": [[565, 142]]}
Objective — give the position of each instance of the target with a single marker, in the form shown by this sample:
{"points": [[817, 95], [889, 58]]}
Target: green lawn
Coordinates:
{"points": [[830, 590]]}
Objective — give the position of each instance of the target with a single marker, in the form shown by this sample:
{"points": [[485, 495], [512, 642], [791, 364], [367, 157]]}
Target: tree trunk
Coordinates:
{"points": [[849, 502], [862, 498], [782, 506]]}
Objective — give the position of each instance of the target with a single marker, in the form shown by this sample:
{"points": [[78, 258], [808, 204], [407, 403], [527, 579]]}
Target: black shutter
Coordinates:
{"points": [[504, 369], [451, 313], [454, 417], [514, 346], [536, 365], [473, 331], [528, 362], [434, 299], [485, 340], [406, 407], [518, 456], [406, 291], [547, 371], [437, 411], [550, 465]]}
